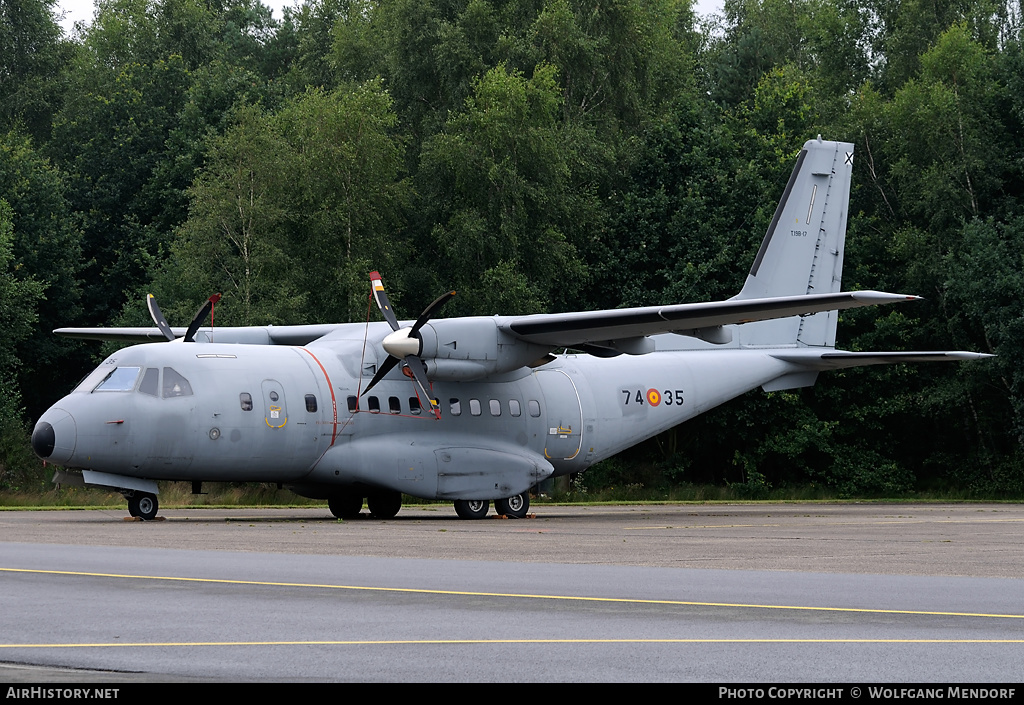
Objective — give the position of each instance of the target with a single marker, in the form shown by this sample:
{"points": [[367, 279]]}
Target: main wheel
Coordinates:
{"points": [[143, 505], [514, 507], [472, 508], [384, 505], [345, 505]]}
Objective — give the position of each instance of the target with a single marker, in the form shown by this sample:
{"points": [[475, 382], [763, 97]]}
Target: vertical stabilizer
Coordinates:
{"points": [[802, 252]]}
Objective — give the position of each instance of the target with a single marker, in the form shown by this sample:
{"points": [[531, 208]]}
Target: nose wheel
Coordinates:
{"points": [[143, 505]]}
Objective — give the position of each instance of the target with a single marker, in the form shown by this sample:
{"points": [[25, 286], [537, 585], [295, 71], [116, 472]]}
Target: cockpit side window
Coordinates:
{"points": [[175, 385], [120, 379], [151, 382]]}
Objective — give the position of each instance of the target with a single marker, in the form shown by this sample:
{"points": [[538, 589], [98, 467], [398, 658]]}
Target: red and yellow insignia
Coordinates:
{"points": [[653, 397]]}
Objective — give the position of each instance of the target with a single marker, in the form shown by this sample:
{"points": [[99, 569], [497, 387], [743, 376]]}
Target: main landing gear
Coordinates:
{"points": [[383, 504], [472, 508], [143, 505], [345, 505], [513, 507]]}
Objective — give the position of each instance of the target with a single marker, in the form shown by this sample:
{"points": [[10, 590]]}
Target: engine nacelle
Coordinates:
{"points": [[463, 349]]}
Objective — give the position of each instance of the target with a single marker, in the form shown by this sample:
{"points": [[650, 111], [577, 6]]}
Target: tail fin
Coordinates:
{"points": [[802, 252]]}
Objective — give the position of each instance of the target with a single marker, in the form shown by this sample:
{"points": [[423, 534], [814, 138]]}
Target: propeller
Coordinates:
{"points": [[193, 327], [404, 344]]}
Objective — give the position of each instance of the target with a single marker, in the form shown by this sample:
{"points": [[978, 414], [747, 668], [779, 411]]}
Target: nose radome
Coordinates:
{"points": [[55, 436], [43, 439]]}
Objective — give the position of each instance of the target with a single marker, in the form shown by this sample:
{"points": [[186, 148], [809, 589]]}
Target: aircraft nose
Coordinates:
{"points": [[54, 436]]}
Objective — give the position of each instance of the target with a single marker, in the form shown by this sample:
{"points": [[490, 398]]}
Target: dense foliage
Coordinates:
{"points": [[536, 155]]}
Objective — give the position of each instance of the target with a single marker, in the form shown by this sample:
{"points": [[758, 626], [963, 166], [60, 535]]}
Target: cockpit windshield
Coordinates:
{"points": [[120, 379]]}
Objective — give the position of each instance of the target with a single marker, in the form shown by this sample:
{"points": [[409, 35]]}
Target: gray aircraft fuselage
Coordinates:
{"points": [[285, 414]]}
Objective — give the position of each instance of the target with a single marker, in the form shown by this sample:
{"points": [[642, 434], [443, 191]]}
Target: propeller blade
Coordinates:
{"points": [[383, 303], [388, 365], [200, 316], [415, 365], [158, 318], [429, 311]]}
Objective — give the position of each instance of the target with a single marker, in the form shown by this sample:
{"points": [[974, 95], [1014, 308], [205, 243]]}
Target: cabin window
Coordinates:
{"points": [[120, 379], [495, 407], [474, 407], [353, 403], [374, 404], [394, 405], [310, 403], [151, 382], [175, 385], [514, 408], [534, 408], [245, 399], [414, 406], [455, 407]]}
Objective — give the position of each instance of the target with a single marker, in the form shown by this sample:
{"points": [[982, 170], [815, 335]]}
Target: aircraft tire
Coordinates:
{"points": [[345, 505], [472, 508], [514, 507], [143, 505], [384, 505]]}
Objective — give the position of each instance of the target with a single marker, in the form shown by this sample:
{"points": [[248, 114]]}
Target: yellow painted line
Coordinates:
{"points": [[700, 526], [406, 642], [884, 522], [529, 596]]}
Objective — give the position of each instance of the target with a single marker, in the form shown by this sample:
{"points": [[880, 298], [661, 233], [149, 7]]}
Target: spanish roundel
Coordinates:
{"points": [[653, 397]]}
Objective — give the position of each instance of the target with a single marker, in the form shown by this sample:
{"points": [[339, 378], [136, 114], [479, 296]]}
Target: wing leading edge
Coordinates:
{"points": [[251, 335]]}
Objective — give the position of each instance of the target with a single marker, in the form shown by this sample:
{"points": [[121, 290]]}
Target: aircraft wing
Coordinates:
{"points": [[252, 335], [571, 329], [127, 335]]}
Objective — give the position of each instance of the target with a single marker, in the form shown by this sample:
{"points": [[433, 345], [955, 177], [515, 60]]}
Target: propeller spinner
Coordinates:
{"points": [[405, 345]]}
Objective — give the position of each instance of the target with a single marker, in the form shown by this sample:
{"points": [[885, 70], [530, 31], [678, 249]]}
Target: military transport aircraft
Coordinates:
{"points": [[472, 410]]}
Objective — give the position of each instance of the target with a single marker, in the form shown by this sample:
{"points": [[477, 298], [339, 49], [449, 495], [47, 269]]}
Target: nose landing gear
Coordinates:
{"points": [[143, 505]]}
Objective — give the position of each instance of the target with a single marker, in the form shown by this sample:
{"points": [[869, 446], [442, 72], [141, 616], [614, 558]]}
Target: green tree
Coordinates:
{"points": [[345, 194], [986, 293], [234, 240], [292, 210], [46, 247], [500, 183], [33, 54], [112, 143], [18, 299]]}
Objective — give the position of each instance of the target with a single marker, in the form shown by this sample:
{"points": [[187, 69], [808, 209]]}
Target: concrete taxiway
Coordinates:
{"points": [[731, 593]]}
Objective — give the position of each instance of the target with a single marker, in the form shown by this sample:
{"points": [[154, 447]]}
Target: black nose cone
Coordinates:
{"points": [[43, 440]]}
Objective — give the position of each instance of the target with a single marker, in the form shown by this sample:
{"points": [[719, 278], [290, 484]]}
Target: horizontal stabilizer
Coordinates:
{"points": [[840, 359]]}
